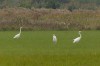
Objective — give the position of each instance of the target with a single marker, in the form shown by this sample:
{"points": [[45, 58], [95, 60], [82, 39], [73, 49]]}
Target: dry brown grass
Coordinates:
{"points": [[48, 19]]}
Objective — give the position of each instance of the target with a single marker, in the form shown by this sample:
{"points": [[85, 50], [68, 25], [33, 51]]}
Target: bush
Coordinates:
{"points": [[53, 4], [72, 7], [25, 4]]}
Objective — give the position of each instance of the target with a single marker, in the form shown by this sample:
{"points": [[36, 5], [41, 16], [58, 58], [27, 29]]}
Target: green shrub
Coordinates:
{"points": [[72, 7], [53, 4]]}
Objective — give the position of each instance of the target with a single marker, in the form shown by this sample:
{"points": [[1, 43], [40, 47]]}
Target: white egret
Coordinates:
{"points": [[76, 40], [18, 35], [54, 39]]}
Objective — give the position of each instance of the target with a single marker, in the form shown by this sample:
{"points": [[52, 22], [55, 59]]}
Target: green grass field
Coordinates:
{"points": [[35, 48]]}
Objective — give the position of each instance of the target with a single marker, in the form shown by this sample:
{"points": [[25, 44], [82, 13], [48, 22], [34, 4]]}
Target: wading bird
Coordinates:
{"points": [[54, 39], [18, 35], [76, 40]]}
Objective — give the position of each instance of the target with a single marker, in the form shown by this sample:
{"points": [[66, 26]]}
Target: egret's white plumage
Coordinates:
{"points": [[76, 40], [18, 35], [54, 39]]}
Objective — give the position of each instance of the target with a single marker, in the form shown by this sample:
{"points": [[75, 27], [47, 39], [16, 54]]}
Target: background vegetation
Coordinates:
{"points": [[77, 4], [49, 19], [50, 14]]}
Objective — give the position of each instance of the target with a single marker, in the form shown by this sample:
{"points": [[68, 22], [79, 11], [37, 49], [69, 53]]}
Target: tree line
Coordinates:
{"points": [[54, 4]]}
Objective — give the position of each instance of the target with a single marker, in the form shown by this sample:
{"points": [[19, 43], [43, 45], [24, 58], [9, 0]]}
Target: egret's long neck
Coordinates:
{"points": [[80, 34], [20, 30]]}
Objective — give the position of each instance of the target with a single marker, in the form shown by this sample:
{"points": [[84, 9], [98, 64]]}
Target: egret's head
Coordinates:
{"points": [[21, 27], [79, 31], [53, 34]]}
